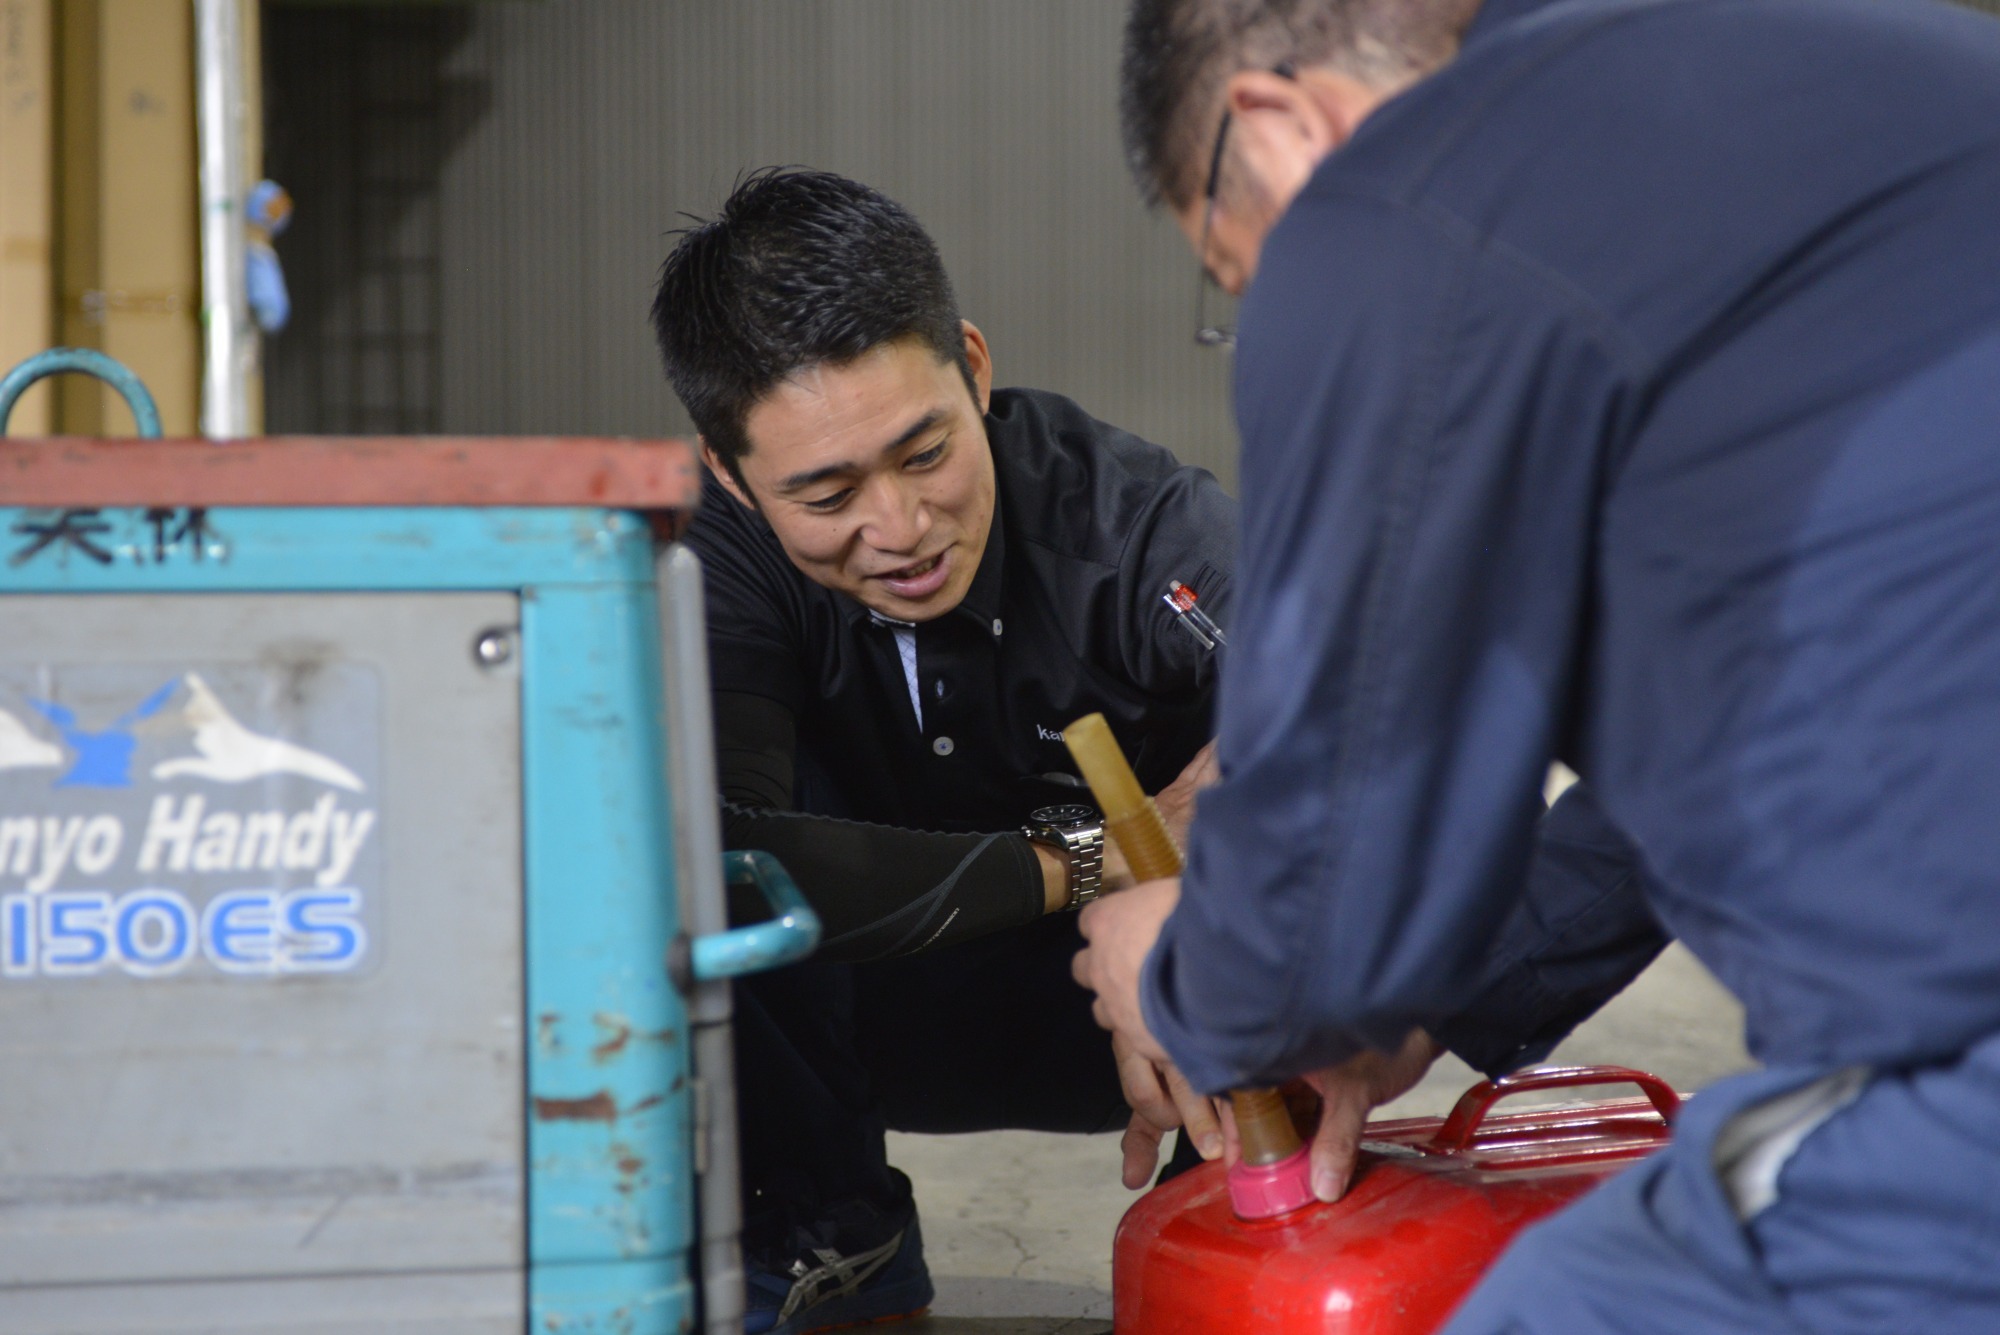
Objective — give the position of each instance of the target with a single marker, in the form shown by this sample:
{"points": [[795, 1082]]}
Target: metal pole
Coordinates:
{"points": [[697, 816], [225, 311]]}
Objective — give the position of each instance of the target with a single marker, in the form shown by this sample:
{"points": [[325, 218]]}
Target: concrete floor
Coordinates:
{"points": [[1018, 1225]]}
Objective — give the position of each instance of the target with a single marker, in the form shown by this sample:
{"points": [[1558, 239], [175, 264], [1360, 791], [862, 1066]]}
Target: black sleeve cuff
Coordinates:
{"points": [[881, 891], [1581, 933]]}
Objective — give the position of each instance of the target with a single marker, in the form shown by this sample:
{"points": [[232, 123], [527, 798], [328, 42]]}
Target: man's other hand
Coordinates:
{"points": [[1176, 804], [1332, 1106], [1161, 1100], [1118, 931], [1176, 800]]}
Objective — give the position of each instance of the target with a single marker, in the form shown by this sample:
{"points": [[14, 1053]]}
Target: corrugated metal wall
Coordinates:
{"points": [[569, 135], [597, 123], [358, 123]]}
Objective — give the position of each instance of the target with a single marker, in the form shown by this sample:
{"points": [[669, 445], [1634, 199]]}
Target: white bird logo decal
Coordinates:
{"points": [[231, 753], [21, 749]]}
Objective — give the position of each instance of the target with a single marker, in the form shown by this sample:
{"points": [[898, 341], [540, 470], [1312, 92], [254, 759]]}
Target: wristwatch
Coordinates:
{"points": [[1079, 832]]}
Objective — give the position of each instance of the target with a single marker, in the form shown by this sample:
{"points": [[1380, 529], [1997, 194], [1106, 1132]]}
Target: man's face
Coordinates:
{"points": [[876, 475]]}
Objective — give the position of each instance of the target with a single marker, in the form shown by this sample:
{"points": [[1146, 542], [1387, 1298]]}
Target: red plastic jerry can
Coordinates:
{"points": [[1434, 1202]]}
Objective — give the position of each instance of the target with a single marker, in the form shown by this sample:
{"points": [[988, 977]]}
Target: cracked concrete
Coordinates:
{"points": [[1018, 1225]]}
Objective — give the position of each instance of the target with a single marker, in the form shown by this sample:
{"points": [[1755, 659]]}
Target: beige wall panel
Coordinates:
{"points": [[150, 267], [27, 205]]}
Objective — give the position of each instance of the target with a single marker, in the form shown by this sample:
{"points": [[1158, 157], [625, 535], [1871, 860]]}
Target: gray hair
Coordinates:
{"points": [[1179, 53]]}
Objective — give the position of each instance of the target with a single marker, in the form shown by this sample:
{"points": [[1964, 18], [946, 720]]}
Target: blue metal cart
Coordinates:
{"points": [[363, 961]]}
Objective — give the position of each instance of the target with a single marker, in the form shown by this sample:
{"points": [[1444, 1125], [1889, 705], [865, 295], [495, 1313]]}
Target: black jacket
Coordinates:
{"points": [[824, 761]]}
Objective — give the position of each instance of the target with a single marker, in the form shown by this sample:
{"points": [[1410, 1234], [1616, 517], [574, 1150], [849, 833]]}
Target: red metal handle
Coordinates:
{"points": [[1457, 1132]]}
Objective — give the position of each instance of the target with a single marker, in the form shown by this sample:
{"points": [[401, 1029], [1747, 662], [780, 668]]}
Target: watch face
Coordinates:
{"points": [[1070, 813]]}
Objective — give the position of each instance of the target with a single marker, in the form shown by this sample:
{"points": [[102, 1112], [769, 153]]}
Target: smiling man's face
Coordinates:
{"points": [[876, 475]]}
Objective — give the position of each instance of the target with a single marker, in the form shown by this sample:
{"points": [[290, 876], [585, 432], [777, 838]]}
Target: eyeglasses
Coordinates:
{"points": [[1206, 334]]}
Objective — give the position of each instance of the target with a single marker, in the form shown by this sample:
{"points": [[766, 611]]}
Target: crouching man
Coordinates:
{"points": [[914, 582]]}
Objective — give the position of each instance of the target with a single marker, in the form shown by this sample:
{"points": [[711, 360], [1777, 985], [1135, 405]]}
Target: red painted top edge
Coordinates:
{"points": [[80, 471]]}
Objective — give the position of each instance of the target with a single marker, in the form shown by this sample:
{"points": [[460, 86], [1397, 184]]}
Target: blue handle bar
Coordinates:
{"points": [[789, 936], [145, 417]]}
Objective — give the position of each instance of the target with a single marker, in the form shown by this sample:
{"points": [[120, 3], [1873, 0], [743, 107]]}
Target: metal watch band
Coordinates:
{"points": [[1086, 866], [1079, 831]]}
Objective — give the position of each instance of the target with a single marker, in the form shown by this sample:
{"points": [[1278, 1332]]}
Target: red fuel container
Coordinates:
{"points": [[1434, 1202]]}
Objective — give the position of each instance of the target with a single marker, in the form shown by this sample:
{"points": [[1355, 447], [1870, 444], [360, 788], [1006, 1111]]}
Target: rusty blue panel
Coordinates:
{"points": [[608, 1134]]}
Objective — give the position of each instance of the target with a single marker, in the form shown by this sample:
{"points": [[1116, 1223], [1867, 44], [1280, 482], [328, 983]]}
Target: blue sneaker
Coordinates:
{"points": [[821, 1288]]}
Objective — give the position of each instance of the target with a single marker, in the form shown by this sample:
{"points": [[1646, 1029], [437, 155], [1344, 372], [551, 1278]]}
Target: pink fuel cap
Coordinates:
{"points": [[1265, 1190]]}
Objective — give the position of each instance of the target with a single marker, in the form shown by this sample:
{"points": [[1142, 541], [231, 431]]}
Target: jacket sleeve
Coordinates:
{"points": [[1186, 533], [879, 890], [1580, 932], [1423, 425], [750, 600]]}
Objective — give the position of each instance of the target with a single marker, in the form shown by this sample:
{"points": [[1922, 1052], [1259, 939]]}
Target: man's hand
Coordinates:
{"points": [[1119, 931], [1176, 800], [1176, 804], [1345, 1095], [1161, 1100]]}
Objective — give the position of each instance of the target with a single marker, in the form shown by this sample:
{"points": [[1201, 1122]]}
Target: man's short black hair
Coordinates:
{"points": [[800, 268], [1179, 53]]}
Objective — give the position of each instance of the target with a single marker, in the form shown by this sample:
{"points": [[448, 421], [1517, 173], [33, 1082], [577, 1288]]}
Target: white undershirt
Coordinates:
{"points": [[1752, 1148], [906, 648]]}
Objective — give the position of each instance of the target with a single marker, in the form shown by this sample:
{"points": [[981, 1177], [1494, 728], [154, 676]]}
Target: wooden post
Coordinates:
{"points": [[27, 206], [127, 263]]}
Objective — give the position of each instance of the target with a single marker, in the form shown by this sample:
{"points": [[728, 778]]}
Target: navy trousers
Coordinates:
{"points": [[989, 1035], [1887, 1219]]}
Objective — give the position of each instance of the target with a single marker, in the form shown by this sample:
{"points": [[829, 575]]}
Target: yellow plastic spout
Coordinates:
{"points": [[1129, 815], [1263, 1122]]}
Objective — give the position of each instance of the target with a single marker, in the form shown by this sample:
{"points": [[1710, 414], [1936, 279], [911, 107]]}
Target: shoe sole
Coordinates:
{"points": [[810, 1323], [906, 1298]]}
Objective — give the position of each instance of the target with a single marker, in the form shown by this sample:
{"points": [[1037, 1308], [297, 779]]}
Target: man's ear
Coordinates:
{"points": [[1284, 127], [980, 358], [724, 475]]}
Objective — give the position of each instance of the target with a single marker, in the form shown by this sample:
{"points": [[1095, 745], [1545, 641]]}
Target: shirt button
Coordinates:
{"points": [[943, 746], [996, 627]]}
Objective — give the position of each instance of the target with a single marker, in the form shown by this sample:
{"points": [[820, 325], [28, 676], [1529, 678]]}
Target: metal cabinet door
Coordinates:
{"points": [[260, 963]]}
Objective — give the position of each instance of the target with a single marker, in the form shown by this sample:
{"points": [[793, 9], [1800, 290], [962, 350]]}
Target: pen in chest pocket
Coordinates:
{"points": [[1180, 599]]}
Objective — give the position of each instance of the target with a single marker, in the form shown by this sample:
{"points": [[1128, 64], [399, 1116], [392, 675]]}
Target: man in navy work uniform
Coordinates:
{"points": [[914, 582], [1619, 380]]}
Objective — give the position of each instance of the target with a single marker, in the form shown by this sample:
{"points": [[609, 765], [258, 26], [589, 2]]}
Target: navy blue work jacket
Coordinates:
{"points": [[1628, 392]]}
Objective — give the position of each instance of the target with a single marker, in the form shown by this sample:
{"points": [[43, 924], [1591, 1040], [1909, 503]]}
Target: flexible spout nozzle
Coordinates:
{"points": [[1273, 1177], [1264, 1127], [1129, 815]]}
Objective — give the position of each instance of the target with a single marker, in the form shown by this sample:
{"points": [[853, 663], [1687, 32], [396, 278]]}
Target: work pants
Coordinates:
{"points": [[1886, 1219], [988, 1035]]}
